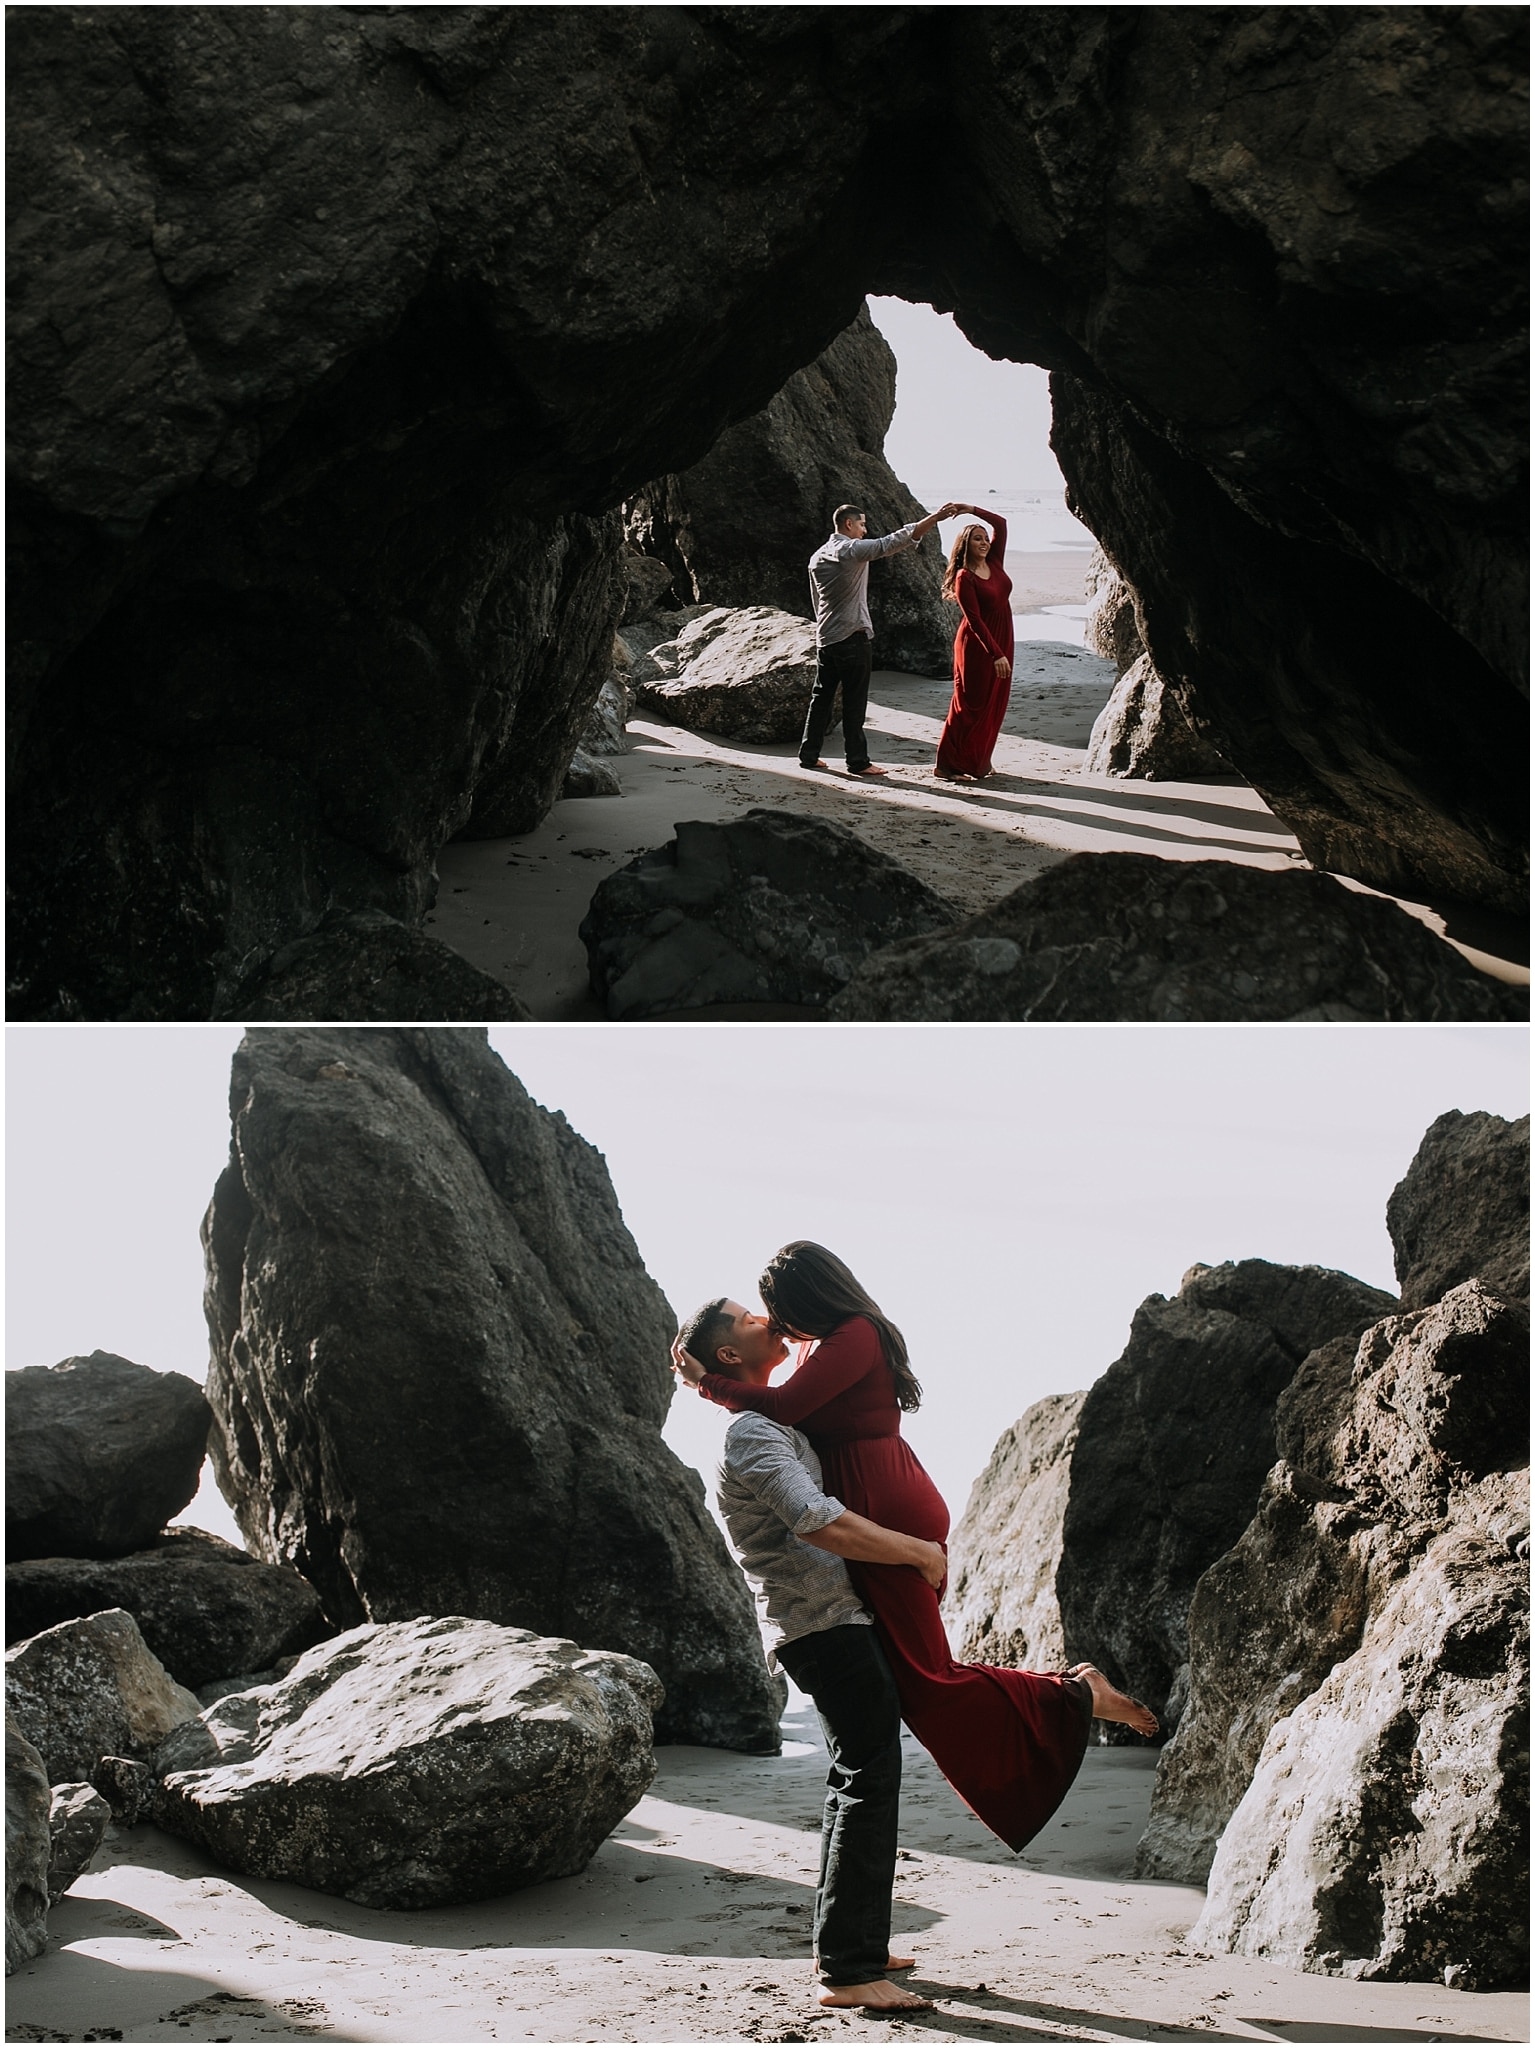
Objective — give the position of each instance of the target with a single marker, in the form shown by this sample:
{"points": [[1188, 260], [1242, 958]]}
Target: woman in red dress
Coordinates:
{"points": [[1009, 1742], [983, 649]]}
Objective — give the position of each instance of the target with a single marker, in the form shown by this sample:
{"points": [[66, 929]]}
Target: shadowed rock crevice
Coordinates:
{"points": [[337, 337]]}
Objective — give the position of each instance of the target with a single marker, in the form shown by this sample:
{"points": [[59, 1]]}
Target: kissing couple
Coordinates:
{"points": [[844, 1533]]}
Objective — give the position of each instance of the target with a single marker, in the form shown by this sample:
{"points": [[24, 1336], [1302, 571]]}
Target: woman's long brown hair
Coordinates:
{"points": [[957, 558], [806, 1288]]}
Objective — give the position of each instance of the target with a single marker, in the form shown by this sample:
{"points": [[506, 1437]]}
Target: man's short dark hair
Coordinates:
{"points": [[705, 1331], [846, 512]]}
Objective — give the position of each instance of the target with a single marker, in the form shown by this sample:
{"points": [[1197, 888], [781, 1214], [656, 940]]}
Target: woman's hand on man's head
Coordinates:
{"points": [[685, 1365]]}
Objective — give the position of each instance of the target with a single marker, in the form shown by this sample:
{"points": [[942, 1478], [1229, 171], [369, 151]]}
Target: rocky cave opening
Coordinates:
{"points": [[333, 356]]}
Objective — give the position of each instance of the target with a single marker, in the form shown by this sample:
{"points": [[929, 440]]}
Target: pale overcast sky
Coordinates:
{"points": [[1009, 1194]]}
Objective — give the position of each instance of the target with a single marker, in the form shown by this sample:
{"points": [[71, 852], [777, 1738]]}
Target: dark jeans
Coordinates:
{"points": [[845, 665], [845, 1673]]}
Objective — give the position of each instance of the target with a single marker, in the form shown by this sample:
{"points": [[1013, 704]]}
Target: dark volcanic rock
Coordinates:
{"points": [[335, 330], [89, 1689], [739, 527], [1362, 1657], [745, 674], [367, 968], [1001, 1605], [423, 1763], [206, 1609], [100, 1453], [769, 907], [1128, 937], [402, 1233], [1111, 628], [77, 1820], [1144, 731], [1172, 1446], [1462, 1211], [27, 1850]]}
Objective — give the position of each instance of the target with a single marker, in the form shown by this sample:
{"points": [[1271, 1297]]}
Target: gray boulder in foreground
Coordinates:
{"points": [[1130, 938], [89, 1689], [1001, 1605], [1462, 1209], [1144, 732], [28, 1847], [206, 1609], [1364, 1650], [419, 1763], [745, 675], [100, 1453], [77, 1820], [365, 967], [770, 907], [477, 1428]]}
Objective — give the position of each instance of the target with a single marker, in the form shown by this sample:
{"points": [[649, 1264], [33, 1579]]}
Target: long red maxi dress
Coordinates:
{"points": [[1009, 1742], [979, 703]]}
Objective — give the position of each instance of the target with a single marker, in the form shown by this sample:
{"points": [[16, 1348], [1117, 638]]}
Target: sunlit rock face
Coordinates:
{"points": [[440, 1370], [336, 336]]}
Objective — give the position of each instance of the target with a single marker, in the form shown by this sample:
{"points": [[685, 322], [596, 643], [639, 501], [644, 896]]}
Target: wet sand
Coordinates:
{"points": [[692, 1923]]}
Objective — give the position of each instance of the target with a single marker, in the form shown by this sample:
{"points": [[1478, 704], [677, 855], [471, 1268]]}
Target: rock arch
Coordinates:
{"points": [[336, 334]]}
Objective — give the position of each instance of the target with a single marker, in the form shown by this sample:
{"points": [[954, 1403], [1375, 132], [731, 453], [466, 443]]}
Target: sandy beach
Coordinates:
{"points": [[692, 1923]]}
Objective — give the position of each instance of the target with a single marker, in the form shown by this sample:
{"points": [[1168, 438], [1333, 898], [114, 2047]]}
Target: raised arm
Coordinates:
{"points": [[837, 1363]]}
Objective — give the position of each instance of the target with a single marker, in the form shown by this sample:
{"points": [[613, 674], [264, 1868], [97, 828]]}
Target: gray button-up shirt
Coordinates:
{"points": [[770, 1495], [839, 583]]}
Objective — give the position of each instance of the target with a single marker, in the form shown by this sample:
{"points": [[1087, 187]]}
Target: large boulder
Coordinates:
{"points": [[1172, 1446], [1385, 1719], [365, 967], [740, 526], [28, 1847], [1144, 731], [769, 907], [100, 1453], [89, 1689], [744, 674], [1463, 1209], [1111, 628], [402, 1233], [1129, 938], [77, 1820], [1001, 1605], [332, 328], [419, 1763], [206, 1609]]}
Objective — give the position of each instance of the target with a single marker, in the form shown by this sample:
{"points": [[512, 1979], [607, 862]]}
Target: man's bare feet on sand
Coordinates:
{"points": [[820, 766], [880, 1996], [1109, 1704], [871, 768]]}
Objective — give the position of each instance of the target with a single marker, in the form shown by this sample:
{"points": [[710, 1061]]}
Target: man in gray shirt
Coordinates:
{"points": [[839, 589], [792, 1537]]}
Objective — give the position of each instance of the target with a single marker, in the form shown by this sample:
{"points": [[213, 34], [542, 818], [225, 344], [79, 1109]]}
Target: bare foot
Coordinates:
{"points": [[900, 1962], [825, 770], [873, 768], [880, 1996], [1109, 1704]]}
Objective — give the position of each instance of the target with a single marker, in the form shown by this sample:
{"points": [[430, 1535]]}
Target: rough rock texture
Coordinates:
{"points": [[1111, 629], [769, 907], [206, 1609], [77, 1820], [100, 1453], [1127, 937], [604, 731], [334, 332], [1363, 1652], [421, 1763], [1001, 1605], [89, 1689], [746, 674], [1172, 1446], [1462, 1211], [739, 527], [1144, 731], [367, 968], [27, 1850], [402, 1232], [128, 1786], [588, 776]]}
